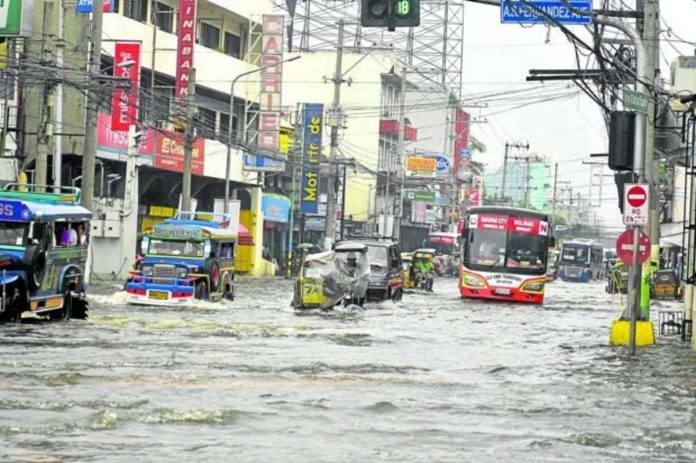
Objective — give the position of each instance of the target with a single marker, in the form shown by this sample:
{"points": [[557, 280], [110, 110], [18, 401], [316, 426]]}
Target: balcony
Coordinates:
{"points": [[391, 126]]}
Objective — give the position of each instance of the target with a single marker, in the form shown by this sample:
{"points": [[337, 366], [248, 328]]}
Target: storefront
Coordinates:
{"points": [[276, 213]]}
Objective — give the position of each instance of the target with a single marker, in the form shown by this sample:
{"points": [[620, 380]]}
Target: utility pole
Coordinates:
{"points": [[527, 181], [651, 40], [58, 116], [89, 155], [396, 227], [555, 187], [505, 162], [188, 142], [336, 108]]}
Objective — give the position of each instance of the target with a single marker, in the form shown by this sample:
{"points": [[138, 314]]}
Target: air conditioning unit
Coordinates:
{"points": [[683, 80]]}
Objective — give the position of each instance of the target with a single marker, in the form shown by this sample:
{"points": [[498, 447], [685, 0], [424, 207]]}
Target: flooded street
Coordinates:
{"points": [[433, 378]]}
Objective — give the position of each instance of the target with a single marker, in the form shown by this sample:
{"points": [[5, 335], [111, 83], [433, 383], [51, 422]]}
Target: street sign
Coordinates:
{"points": [[624, 247], [545, 12], [635, 101], [421, 195], [442, 164], [636, 202]]}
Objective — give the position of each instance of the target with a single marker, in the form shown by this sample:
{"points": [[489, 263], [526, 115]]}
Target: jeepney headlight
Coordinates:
{"points": [[148, 271], [473, 281], [181, 272], [533, 287]]}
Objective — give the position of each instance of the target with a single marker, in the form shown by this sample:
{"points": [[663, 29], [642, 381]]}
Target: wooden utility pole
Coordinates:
{"points": [[188, 142], [89, 155]]}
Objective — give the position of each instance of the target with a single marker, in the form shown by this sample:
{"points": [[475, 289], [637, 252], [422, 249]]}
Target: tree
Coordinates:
{"points": [[476, 145]]}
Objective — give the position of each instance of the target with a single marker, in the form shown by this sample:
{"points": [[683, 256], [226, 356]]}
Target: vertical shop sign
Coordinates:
{"points": [[271, 82], [312, 125], [186, 41], [124, 101], [461, 153]]}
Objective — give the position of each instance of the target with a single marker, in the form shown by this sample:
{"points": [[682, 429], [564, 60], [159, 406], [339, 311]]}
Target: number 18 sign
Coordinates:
{"points": [[636, 202]]}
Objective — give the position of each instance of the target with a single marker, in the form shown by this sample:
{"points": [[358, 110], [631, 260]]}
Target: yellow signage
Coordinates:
{"points": [[421, 164], [162, 211]]}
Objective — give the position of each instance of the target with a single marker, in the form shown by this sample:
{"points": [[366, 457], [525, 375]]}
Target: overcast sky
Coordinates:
{"points": [[498, 57]]}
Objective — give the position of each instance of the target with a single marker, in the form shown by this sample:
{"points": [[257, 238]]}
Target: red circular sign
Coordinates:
{"points": [[636, 196], [624, 247]]}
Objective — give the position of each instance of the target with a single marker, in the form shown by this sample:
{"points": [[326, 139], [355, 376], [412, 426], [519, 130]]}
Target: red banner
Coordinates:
{"points": [[462, 155], [111, 140], [186, 41], [124, 101], [169, 152]]}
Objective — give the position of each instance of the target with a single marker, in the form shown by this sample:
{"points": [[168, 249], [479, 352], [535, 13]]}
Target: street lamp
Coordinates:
{"points": [[229, 124]]}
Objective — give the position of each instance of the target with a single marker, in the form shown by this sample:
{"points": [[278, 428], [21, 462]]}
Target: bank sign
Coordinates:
{"points": [[312, 126]]}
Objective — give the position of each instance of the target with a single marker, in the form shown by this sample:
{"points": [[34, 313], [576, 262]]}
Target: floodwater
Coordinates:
{"points": [[431, 379]]}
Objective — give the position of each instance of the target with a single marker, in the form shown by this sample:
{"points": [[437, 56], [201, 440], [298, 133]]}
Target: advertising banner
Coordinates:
{"points": [[276, 208], [418, 212], [462, 155], [421, 164], [271, 81], [186, 40], [475, 192], [124, 101], [312, 126], [169, 152]]}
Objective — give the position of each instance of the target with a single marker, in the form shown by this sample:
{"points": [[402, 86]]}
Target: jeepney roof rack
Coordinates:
{"points": [[49, 194]]}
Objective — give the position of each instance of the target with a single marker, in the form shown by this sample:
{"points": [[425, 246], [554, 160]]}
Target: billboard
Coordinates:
{"points": [[186, 39], [124, 101], [312, 126], [421, 164], [260, 163], [271, 82]]}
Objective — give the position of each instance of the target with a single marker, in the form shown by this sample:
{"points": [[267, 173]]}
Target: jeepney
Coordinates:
{"points": [[43, 252], [190, 256]]}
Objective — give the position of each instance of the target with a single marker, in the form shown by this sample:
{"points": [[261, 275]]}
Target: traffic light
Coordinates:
{"points": [[622, 128], [390, 13]]}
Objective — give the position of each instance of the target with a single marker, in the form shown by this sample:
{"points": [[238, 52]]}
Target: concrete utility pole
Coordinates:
{"points": [[505, 161], [396, 227], [58, 116], [188, 142], [336, 107], [90, 149], [651, 39], [527, 181], [555, 188]]}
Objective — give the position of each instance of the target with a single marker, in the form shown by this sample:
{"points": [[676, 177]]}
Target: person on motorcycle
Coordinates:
{"points": [[425, 268]]}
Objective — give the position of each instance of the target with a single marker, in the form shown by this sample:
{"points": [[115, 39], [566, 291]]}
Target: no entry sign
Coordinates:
{"points": [[636, 202], [624, 247]]}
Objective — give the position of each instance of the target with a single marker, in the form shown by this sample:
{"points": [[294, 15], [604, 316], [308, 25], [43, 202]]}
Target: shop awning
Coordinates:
{"points": [[245, 237]]}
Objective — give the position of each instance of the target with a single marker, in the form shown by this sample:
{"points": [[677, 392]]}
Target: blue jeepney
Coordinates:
{"points": [[43, 252], [190, 256]]}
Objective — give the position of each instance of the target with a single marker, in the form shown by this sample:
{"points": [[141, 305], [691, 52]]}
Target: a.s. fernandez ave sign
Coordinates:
{"points": [[545, 11]]}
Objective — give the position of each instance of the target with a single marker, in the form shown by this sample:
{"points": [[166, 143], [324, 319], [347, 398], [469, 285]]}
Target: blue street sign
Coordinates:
{"points": [[442, 164], [544, 11]]}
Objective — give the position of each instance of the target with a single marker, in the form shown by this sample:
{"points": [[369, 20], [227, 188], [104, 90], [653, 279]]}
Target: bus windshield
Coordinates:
{"points": [[506, 244], [575, 254], [443, 245], [175, 248]]}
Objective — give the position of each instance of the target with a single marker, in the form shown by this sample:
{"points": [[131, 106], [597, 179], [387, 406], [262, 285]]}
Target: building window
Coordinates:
{"points": [[210, 36], [233, 45], [164, 17], [136, 9], [206, 123]]}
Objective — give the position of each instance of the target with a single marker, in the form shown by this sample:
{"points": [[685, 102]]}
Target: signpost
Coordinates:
{"points": [[545, 11], [635, 101], [636, 202], [624, 247], [421, 195]]}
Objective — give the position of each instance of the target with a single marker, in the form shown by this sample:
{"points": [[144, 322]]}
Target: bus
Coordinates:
{"points": [[446, 246], [582, 260], [504, 254]]}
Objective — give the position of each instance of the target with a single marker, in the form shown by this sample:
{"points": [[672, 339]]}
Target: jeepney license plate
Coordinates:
{"points": [[502, 291], [158, 295]]}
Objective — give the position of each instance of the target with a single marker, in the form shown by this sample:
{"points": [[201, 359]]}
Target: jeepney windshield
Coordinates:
{"points": [[159, 247], [575, 254], [12, 233]]}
